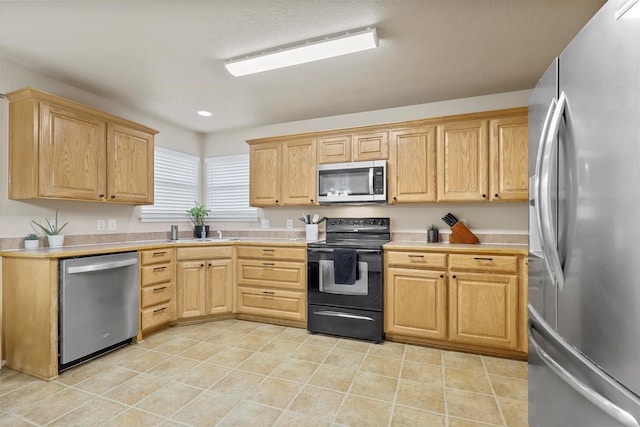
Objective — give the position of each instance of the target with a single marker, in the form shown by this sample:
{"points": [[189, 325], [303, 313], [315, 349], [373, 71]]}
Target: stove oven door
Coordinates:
{"points": [[353, 311]]}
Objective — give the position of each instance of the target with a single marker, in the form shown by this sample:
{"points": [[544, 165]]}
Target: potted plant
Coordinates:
{"points": [[196, 215], [31, 241], [433, 233], [52, 230]]}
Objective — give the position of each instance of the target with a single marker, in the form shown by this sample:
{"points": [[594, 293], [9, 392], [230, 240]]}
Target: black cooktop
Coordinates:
{"points": [[361, 233]]}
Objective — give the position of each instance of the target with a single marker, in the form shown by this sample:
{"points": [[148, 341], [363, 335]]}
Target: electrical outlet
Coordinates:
{"points": [[265, 223], [112, 224], [100, 225], [289, 223]]}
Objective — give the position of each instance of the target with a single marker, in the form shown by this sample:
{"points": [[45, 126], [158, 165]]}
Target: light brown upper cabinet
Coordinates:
{"points": [[283, 173], [508, 173], [334, 149], [462, 161], [353, 147], [59, 149], [412, 165]]}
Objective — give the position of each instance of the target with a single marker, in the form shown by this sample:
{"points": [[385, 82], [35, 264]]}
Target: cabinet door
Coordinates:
{"points": [[416, 303], [219, 286], [279, 304], [72, 154], [463, 161], [129, 165], [334, 149], [370, 146], [191, 284], [508, 175], [483, 309], [298, 179], [264, 174], [412, 165], [276, 274]]}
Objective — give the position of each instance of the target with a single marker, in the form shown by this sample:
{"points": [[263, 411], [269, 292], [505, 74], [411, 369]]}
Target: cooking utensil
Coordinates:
{"points": [[308, 219], [303, 219], [315, 219], [321, 220]]}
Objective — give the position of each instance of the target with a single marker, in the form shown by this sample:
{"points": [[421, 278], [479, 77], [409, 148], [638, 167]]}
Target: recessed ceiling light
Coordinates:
{"points": [[204, 113], [303, 52]]}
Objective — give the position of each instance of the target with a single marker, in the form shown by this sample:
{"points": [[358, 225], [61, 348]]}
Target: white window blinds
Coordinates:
{"points": [[227, 185], [176, 177]]}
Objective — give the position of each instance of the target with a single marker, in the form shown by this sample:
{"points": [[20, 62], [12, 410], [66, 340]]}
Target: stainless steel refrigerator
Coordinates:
{"points": [[584, 228]]}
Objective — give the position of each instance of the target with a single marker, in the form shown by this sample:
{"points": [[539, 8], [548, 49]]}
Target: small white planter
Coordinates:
{"points": [[56, 240], [31, 244]]}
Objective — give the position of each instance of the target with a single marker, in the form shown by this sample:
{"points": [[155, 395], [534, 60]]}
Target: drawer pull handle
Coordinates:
{"points": [[159, 289], [158, 310], [268, 292], [442, 276], [268, 264], [416, 256], [268, 250], [159, 268], [159, 253], [483, 259]]}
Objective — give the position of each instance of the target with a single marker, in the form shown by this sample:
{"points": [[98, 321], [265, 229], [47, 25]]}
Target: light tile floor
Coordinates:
{"points": [[239, 373]]}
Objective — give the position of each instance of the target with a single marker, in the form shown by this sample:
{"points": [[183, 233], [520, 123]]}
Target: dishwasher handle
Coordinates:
{"points": [[102, 266]]}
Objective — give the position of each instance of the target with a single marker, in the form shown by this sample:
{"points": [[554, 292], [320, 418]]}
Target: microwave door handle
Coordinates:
{"points": [[370, 180]]}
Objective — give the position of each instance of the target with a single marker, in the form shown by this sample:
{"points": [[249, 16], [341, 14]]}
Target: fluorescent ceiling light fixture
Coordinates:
{"points": [[204, 113], [303, 52]]}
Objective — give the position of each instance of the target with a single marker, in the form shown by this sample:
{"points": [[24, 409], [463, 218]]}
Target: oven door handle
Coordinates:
{"points": [[360, 251], [344, 315]]}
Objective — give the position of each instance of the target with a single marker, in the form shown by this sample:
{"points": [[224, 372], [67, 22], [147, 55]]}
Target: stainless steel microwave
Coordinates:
{"points": [[357, 182]]}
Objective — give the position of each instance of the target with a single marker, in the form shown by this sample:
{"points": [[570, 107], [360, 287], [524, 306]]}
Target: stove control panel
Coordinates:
{"points": [[356, 224]]}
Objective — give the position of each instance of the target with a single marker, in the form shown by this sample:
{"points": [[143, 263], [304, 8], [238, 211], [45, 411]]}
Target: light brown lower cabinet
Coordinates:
{"points": [[272, 283], [157, 288], [416, 303], [204, 280], [467, 301]]}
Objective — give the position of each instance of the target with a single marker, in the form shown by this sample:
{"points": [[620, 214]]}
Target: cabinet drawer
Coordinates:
{"points": [[272, 303], [287, 275], [156, 256], [152, 274], [152, 295], [416, 259], [273, 252], [484, 262], [206, 252], [157, 315]]}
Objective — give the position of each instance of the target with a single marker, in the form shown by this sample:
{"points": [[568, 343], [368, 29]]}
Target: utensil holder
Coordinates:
{"points": [[461, 234], [312, 232]]}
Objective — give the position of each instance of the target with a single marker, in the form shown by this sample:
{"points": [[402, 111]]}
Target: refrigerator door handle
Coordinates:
{"points": [[536, 181], [549, 241], [594, 397]]}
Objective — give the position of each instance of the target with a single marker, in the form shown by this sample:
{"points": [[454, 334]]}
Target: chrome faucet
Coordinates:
{"points": [[219, 234]]}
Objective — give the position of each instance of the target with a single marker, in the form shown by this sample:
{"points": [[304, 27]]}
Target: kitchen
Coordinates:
{"points": [[503, 219]]}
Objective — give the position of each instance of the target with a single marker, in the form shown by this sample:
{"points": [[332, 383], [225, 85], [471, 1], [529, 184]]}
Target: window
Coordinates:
{"points": [[176, 177], [227, 185]]}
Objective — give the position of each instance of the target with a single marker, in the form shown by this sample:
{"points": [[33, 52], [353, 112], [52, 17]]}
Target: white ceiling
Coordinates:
{"points": [[166, 58]]}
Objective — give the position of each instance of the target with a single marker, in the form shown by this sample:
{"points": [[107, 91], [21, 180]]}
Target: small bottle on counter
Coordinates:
{"points": [[174, 232]]}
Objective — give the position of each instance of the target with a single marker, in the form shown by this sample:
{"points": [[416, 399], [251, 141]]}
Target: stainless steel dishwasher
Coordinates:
{"points": [[99, 305]]}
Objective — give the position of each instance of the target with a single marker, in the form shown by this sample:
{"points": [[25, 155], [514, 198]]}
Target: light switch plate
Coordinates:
{"points": [[289, 223], [100, 225], [112, 224], [265, 223]]}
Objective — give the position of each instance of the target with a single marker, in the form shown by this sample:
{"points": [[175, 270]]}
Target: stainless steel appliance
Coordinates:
{"points": [[584, 295], [358, 182], [99, 305], [348, 309]]}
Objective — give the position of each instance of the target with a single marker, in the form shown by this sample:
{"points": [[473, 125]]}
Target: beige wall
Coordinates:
{"points": [[483, 217]]}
